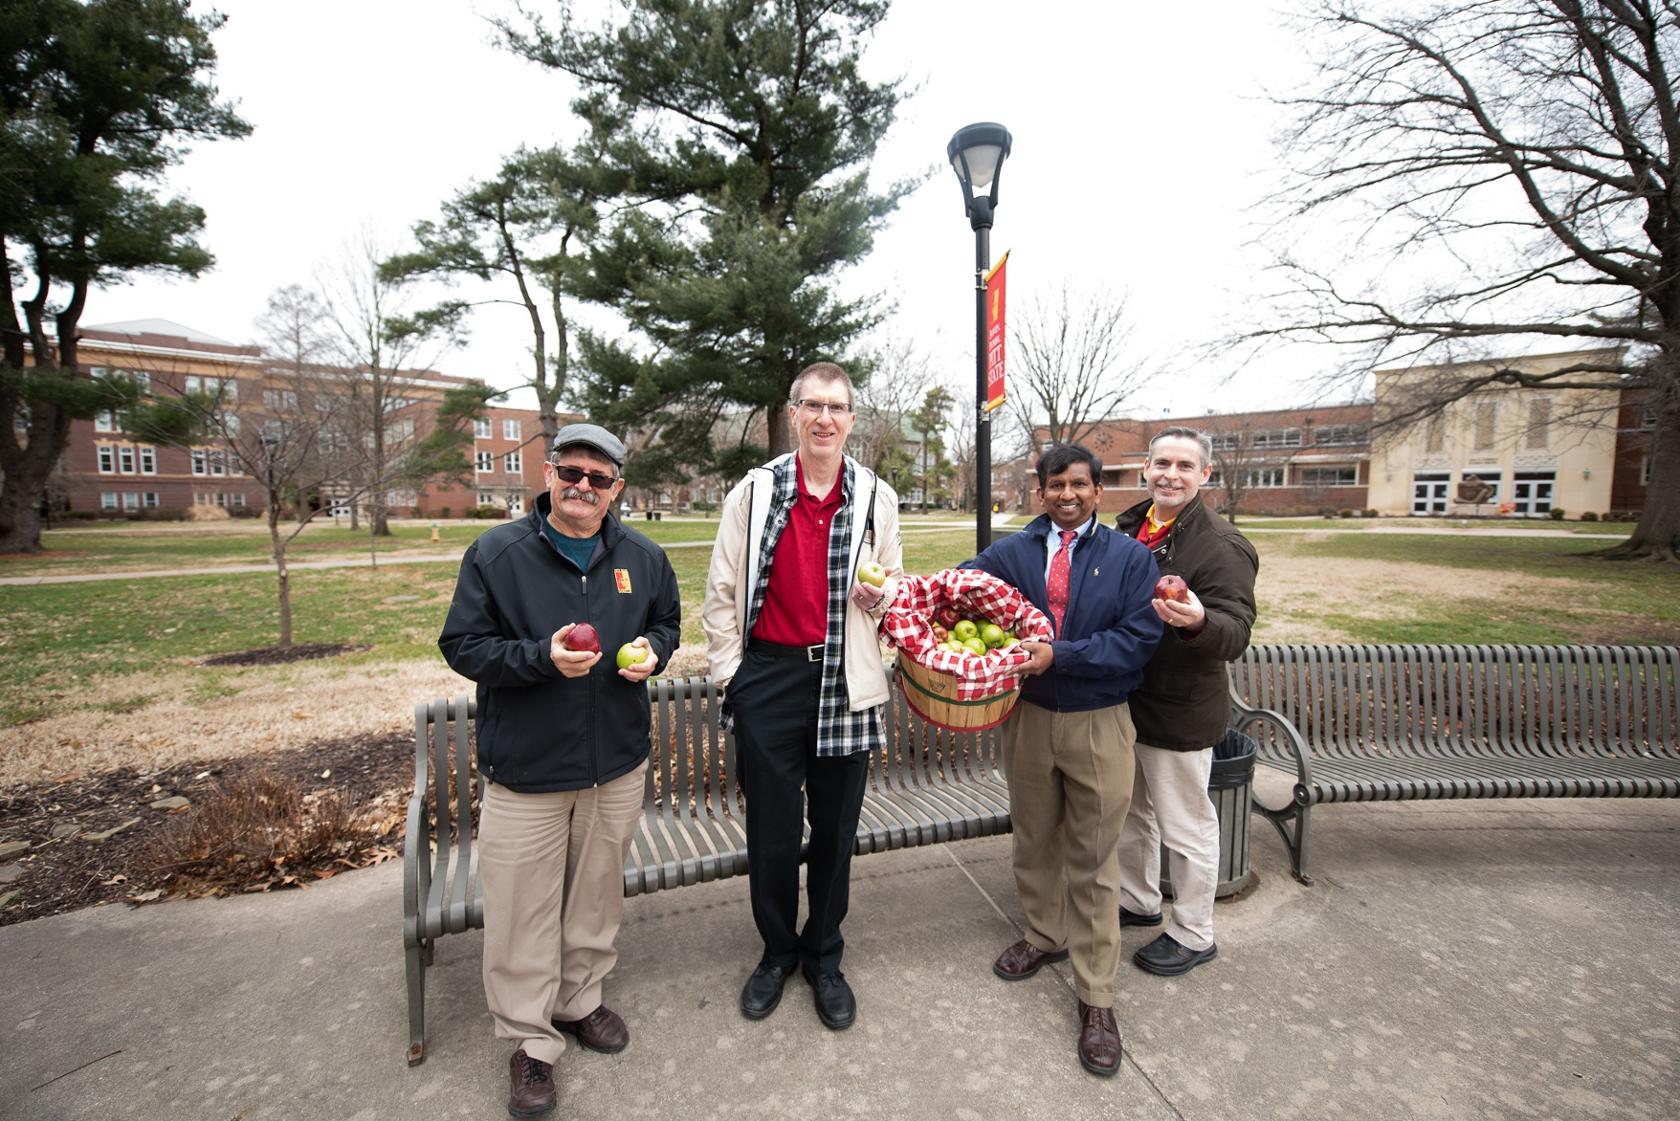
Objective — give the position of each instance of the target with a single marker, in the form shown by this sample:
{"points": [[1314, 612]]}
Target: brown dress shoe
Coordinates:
{"points": [[532, 1092], [1023, 959], [1099, 1040], [602, 1030]]}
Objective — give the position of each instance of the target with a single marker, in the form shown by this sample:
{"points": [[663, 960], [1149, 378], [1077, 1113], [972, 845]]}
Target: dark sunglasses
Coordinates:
{"points": [[572, 476]]}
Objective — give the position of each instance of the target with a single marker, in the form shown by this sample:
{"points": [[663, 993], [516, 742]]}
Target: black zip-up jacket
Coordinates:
{"points": [[539, 731], [1184, 704]]}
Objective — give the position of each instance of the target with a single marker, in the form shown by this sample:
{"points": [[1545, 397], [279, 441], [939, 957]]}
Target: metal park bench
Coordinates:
{"points": [[927, 786], [1386, 723]]}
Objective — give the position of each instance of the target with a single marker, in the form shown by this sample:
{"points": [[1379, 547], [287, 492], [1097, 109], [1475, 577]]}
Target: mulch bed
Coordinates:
{"points": [[64, 870], [280, 655]]}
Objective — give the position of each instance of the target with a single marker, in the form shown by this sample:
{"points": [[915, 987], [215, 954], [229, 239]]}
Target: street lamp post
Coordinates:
{"points": [[977, 153]]}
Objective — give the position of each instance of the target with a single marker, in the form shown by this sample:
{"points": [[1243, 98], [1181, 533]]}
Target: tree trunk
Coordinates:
{"points": [[373, 541], [20, 518], [776, 432], [284, 576], [1657, 536]]}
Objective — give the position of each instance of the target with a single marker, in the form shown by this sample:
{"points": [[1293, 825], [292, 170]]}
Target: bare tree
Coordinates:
{"points": [[1071, 366], [1245, 458], [1525, 155], [900, 376], [377, 345]]}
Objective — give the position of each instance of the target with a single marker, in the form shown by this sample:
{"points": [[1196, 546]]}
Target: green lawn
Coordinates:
{"points": [[1604, 601], [1614, 529], [55, 638]]}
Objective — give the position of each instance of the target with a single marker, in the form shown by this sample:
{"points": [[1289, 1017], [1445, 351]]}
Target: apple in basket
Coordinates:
{"points": [[965, 630], [947, 616], [992, 635], [940, 634]]}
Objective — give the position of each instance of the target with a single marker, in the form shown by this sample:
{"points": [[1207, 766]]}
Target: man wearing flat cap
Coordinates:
{"points": [[563, 737]]}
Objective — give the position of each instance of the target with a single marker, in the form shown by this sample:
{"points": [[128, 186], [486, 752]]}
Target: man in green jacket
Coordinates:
{"points": [[1181, 710]]}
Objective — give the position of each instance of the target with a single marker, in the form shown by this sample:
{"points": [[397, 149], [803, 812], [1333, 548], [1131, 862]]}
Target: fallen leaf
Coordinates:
{"points": [[147, 896]]}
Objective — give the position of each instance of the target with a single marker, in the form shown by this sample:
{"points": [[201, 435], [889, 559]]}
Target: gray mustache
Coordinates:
{"points": [[582, 496]]}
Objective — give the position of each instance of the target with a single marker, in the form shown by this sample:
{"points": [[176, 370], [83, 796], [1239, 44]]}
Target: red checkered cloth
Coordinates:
{"points": [[908, 626]]}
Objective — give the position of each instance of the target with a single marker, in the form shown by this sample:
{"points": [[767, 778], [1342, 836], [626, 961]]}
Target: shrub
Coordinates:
{"points": [[1327, 511], [702, 507], [1556, 514], [73, 516], [244, 512], [1347, 513], [164, 514], [444, 511], [1589, 516], [490, 510], [206, 514], [253, 832], [1368, 513]]}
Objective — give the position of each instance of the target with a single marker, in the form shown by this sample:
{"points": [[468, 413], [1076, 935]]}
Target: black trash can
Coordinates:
{"points": [[1231, 786]]}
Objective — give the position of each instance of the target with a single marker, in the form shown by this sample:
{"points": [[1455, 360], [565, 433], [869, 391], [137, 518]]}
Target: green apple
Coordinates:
{"points": [[975, 646], [964, 630], [992, 635], [871, 573], [632, 654]]}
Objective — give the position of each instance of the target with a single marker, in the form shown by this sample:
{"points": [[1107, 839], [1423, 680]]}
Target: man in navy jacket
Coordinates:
{"points": [[1067, 746]]}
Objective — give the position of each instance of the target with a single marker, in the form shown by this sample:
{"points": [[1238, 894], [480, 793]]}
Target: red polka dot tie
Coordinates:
{"points": [[1057, 588]]}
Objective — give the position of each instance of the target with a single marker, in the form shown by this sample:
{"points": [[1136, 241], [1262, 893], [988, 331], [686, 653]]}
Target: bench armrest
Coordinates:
{"points": [[1245, 716]]}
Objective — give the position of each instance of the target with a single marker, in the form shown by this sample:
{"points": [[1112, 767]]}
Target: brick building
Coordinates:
{"points": [[111, 472], [1277, 461]]}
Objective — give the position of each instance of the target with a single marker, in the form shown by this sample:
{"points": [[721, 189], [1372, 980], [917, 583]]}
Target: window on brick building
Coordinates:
{"points": [[484, 463], [1327, 476], [148, 460], [514, 463], [481, 428], [510, 430], [125, 460], [107, 459]]}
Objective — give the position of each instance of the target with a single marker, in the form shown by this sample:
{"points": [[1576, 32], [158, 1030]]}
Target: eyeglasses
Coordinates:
{"points": [[572, 476], [832, 408]]}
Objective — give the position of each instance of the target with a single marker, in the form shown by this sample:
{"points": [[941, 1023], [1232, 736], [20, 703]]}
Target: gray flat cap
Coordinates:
{"points": [[591, 436]]}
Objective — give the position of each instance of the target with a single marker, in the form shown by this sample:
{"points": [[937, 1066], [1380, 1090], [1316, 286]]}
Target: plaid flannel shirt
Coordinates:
{"points": [[840, 731]]}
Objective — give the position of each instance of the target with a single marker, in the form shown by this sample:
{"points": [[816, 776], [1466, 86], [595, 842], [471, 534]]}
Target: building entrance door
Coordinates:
{"points": [[1531, 493], [1429, 493]]}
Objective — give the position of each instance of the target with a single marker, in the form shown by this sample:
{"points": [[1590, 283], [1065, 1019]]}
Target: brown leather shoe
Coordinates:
{"points": [[1099, 1040], [602, 1030], [532, 1092], [1023, 959]]}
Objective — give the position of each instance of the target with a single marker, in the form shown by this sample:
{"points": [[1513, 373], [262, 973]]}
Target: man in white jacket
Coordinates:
{"points": [[791, 635]]}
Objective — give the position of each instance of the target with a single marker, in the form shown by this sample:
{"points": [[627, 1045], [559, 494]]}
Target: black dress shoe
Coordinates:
{"points": [[1132, 918], [763, 990], [836, 1006], [1168, 957]]}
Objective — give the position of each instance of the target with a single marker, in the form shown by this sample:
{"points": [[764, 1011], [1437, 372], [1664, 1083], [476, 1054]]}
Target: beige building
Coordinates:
{"points": [[1503, 449]]}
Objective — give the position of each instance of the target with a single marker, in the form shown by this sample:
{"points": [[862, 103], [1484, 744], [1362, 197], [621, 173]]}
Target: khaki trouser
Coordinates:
{"points": [[1170, 804], [1070, 782], [553, 867]]}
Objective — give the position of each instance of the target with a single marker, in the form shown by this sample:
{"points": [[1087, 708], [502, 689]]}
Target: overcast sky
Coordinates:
{"points": [[1142, 146]]}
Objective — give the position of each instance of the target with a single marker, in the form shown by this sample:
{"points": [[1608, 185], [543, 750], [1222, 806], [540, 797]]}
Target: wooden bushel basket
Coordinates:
{"points": [[932, 695]]}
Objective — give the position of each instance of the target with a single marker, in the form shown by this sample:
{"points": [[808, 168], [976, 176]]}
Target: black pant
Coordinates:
{"points": [[774, 701]]}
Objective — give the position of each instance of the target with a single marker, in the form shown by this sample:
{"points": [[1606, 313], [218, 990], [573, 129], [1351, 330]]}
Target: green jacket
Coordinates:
{"points": [[1184, 704]]}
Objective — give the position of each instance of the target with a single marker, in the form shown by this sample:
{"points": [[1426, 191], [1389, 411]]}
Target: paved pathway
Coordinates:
{"points": [[1454, 960]]}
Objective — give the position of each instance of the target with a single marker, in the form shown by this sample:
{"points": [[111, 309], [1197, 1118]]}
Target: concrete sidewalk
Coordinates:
{"points": [[1454, 960]]}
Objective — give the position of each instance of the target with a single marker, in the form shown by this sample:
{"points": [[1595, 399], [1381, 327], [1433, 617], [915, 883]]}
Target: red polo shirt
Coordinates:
{"points": [[795, 611]]}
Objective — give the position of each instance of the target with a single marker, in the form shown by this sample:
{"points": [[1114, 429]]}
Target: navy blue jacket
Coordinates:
{"points": [[1110, 630]]}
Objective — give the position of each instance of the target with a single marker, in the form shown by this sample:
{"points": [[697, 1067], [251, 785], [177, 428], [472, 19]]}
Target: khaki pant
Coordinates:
{"points": [[1070, 782], [553, 867], [1170, 804]]}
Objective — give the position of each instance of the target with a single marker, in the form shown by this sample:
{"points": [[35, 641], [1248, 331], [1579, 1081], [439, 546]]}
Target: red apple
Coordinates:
{"points": [[948, 616], [582, 637], [1173, 588]]}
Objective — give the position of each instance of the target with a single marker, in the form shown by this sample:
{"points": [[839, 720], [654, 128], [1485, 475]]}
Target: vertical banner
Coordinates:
{"points": [[994, 334]]}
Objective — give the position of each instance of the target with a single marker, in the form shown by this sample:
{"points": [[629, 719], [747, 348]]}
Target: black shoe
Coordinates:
{"points": [[763, 990], [1132, 918], [836, 1006], [1167, 957]]}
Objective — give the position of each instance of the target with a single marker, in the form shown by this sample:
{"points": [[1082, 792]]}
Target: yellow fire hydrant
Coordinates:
{"points": [[435, 537]]}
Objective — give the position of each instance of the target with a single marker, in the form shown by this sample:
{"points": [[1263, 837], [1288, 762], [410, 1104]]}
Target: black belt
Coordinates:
{"points": [[777, 650]]}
